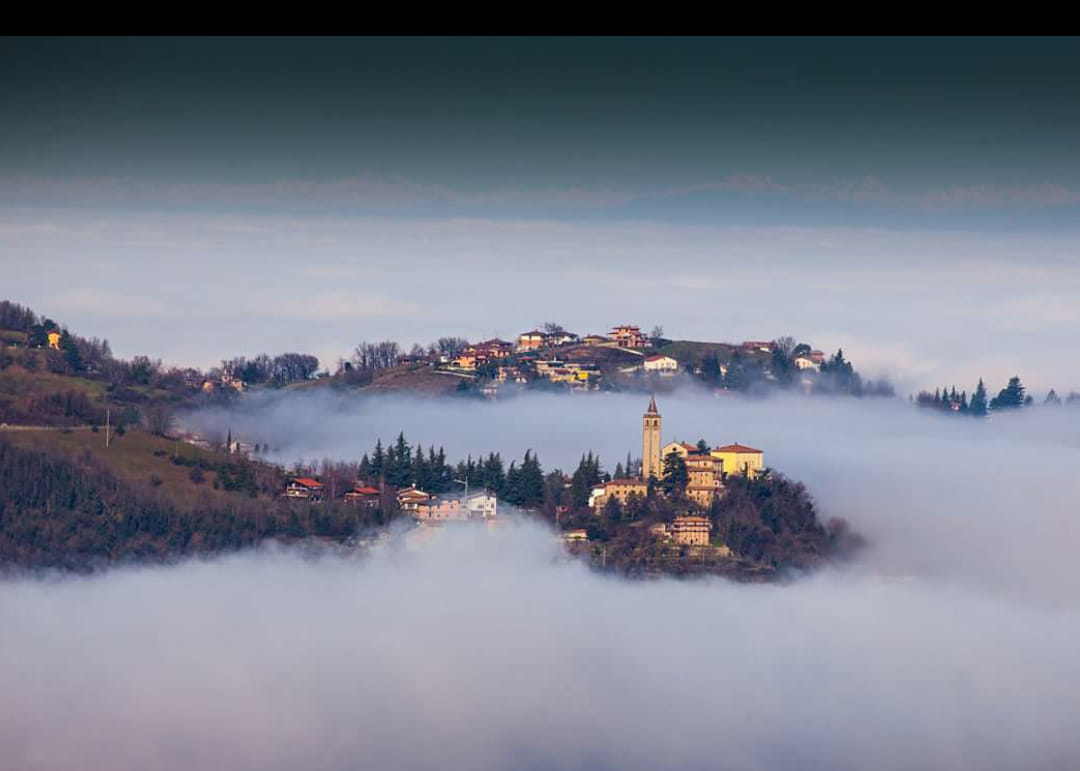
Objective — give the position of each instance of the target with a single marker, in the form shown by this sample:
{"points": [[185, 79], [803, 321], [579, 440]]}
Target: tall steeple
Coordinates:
{"points": [[650, 443]]}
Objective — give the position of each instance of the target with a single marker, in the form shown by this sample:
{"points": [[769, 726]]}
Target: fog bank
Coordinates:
{"points": [[991, 503], [480, 652]]}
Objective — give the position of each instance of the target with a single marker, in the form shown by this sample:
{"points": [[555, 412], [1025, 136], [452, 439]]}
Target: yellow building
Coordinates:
{"points": [[740, 459], [54, 339], [682, 449], [705, 483], [619, 489], [651, 459], [691, 531]]}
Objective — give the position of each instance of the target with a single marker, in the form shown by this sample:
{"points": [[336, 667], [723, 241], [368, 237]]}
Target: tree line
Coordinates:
{"points": [[1012, 397]]}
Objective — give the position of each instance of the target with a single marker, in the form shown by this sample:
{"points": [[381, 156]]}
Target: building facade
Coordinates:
{"points": [[651, 459], [740, 459], [691, 531]]}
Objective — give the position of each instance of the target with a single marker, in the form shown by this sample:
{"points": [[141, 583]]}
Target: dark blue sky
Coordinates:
{"points": [[914, 201], [654, 119]]}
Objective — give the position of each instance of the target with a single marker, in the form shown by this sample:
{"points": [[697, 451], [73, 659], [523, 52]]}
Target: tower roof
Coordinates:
{"points": [[652, 407]]}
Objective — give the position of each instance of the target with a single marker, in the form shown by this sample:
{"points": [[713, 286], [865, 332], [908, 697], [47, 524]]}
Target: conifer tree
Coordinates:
{"points": [[979, 407]]}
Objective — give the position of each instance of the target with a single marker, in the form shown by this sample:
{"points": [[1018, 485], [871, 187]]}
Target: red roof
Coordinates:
{"points": [[737, 448], [365, 491], [308, 482]]}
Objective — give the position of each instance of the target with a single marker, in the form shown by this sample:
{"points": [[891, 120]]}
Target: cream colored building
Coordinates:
{"points": [[691, 531], [740, 459], [619, 489], [662, 364], [705, 482], [651, 459]]}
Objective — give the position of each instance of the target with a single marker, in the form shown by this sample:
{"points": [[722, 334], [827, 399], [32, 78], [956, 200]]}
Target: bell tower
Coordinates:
{"points": [[650, 443]]}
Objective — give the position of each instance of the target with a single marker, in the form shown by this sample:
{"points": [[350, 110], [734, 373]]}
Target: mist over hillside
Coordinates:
{"points": [[949, 643], [971, 499]]}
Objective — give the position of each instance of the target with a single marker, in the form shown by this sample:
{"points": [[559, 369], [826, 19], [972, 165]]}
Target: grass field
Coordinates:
{"points": [[135, 456]]}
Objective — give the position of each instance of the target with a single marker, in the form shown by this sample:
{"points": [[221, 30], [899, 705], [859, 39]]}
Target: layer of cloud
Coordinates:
{"points": [[950, 643], [923, 307]]}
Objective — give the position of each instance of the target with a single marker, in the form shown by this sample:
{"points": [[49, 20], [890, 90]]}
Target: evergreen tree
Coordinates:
{"points": [[1052, 398], [378, 461], [584, 479], [979, 407], [399, 463], [676, 476], [1011, 396], [532, 480], [363, 471]]}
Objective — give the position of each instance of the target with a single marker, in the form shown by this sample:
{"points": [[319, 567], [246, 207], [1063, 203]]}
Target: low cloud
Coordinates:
{"points": [[949, 643]]}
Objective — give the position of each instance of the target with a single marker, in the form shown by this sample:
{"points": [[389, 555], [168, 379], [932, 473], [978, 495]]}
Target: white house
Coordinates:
{"points": [[481, 505], [662, 364]]}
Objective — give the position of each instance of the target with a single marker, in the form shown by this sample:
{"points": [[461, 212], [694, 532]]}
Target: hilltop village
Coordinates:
{"points": [[680, 507], [94, 470]]}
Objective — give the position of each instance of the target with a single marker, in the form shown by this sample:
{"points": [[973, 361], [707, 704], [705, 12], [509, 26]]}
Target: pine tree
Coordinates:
{"points": [[979, 407], [378, 461], [676, 476], [1011, 396]]}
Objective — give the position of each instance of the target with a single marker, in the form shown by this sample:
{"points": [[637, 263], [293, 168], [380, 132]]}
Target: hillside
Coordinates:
{"points": [[68, 502]]}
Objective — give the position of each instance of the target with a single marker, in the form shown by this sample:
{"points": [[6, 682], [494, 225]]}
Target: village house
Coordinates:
{"points": [[367, 497], [304, 488], [483, 505], [563, 338], [705, 478], [764, 346], [665, 365], [487, 350], [532, 340], [629, 336], [619, 489], [466, 360], [691, 530], [446, 509], [410, 499], [740, 459], [510, 374]]}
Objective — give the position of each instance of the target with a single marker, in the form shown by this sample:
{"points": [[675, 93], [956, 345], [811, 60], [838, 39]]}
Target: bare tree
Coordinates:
{"points": [[785, 345]]}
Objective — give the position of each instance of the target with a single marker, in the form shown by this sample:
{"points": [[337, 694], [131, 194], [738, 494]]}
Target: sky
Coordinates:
{"points": [[949, 642], [913, 201]]}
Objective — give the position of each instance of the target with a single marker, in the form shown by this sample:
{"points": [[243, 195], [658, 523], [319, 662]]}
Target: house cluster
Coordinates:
{"points": [[420, 505], [622, 336], [706, 469], [427, 507], [484, 352], [811, 359]]}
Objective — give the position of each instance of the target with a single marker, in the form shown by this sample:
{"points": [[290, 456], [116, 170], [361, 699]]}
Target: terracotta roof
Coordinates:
{"points": [[736, 448], [365, 491], [658, 357], [308, 482]]}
